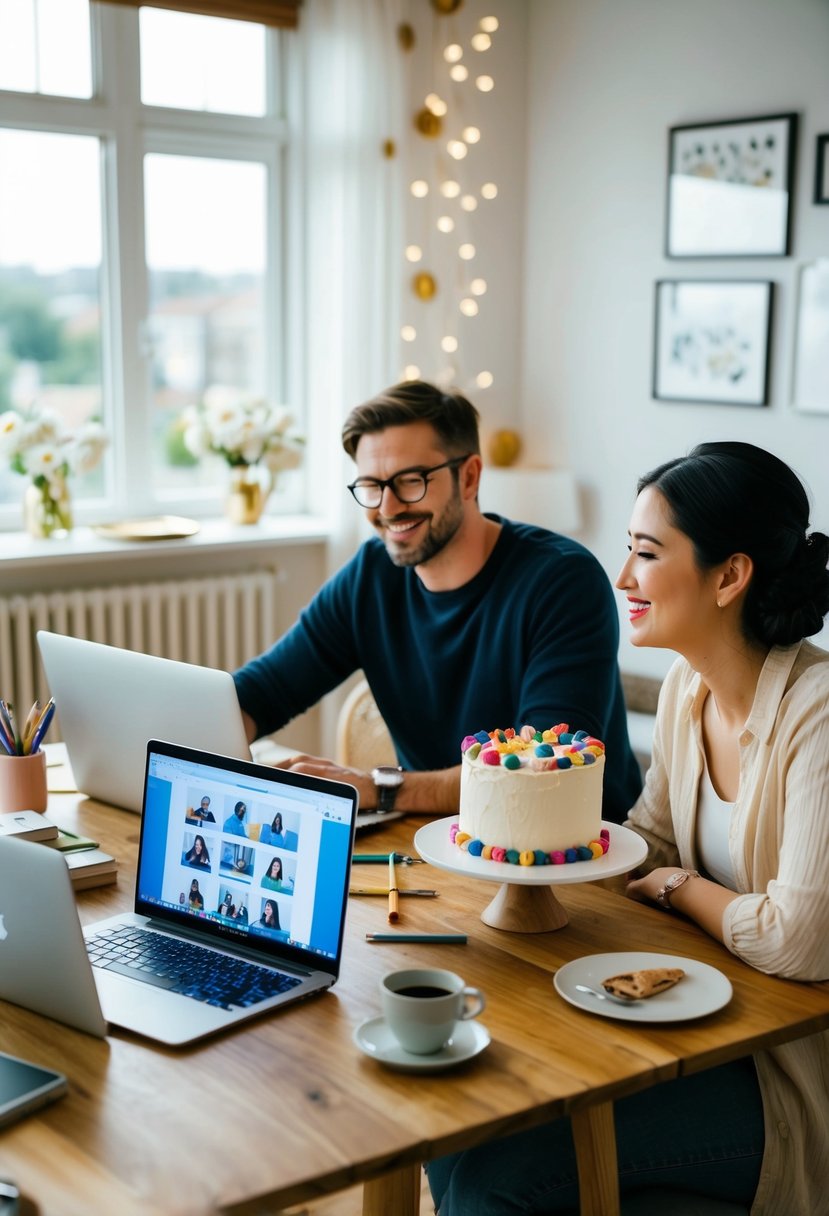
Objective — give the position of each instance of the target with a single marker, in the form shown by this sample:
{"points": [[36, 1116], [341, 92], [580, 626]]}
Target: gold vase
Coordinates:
{"points": [[247, 494], [47, 509]]}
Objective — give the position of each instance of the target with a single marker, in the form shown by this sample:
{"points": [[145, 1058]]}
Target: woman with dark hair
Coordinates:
{"points": [[724, 570], [195, 899], [272, 877], [198, 854], [270, 915]]}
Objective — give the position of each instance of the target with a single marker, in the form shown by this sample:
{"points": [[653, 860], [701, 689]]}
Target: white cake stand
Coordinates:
{"points": [[526, 902]]}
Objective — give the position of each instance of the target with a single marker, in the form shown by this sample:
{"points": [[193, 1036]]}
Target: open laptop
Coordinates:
{"points": [[111, 701], [219, 932]]}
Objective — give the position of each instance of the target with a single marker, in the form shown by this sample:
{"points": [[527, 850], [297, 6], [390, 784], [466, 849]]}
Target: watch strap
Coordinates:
{"points": [[677, 879]]}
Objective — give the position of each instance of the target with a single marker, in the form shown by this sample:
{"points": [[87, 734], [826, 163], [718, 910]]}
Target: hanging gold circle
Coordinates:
{"points": [[424, 285], [405, 36], [389, 149], [504, 448], [446, 6], [427, 123]]}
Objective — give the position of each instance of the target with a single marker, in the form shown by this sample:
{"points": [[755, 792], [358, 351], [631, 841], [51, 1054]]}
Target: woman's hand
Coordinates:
{"points": [[644, 888]]}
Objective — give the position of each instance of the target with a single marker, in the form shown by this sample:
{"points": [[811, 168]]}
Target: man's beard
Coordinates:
{"points": [[440, 533]]}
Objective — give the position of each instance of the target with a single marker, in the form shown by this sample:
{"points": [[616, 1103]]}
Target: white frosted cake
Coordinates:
{"points": [[532, 797]]}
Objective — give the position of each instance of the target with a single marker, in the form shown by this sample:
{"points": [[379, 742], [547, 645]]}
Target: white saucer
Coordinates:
{"points": [[376, 1039]]}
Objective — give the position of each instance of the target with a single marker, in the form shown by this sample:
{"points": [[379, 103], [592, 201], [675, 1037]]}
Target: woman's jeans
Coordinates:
{"points": [[701, 1133]]}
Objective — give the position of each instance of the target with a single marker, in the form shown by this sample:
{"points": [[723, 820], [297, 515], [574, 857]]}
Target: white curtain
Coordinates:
{"points": [[354, 81]]}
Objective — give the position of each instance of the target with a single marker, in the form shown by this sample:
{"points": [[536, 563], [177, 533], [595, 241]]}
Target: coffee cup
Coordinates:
{"points": [[422, 1007]]}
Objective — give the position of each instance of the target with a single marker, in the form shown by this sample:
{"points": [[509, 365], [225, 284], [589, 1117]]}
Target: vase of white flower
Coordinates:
{"points": [[47, 508], [254, 439], [39, 447], [247, 493]]}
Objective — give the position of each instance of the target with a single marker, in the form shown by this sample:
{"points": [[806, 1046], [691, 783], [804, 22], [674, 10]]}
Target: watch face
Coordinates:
{"points": [[388, 776]]}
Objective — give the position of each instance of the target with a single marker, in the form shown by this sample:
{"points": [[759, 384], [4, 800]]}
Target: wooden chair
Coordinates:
{"points": [[641, 696], [363, 740]]}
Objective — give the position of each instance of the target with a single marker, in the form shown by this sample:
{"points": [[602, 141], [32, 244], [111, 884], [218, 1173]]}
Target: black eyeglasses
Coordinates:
{"points": [[407, 486]]}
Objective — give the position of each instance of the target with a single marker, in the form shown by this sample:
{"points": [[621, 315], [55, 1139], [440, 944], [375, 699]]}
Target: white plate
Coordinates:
{"points": [[701, 990], [376, 1039], [627, 851]]}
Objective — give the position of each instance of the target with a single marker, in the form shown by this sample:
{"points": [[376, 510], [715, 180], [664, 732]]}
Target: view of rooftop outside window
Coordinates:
{"points": [[202, 63], [50, 289], [45, 47], [206, 320]]}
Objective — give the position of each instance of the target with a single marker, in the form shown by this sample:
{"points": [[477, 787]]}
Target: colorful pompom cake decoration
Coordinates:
{"points": [[530, 797]]}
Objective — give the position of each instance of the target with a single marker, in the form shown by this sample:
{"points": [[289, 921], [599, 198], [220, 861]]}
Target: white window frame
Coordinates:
{"points": [[128, 129]]}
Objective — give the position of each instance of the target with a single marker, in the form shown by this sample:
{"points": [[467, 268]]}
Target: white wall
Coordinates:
{"points": [[492, 340], [606, 78]]}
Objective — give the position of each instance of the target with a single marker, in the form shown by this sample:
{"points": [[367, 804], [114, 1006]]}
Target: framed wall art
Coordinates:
{"points": [[821, 194], [810, 386], [730, 188], [711, 341]]}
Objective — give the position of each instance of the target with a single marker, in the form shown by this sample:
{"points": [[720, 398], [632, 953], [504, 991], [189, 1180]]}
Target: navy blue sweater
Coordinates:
{"points": [[533, 637]]}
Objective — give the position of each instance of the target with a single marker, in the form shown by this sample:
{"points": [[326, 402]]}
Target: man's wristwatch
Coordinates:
{"points": [[663, 895], [387, 781]]}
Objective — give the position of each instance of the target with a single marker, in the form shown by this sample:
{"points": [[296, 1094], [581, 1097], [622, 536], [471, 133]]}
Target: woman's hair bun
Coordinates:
{"points": [[792, 603]]}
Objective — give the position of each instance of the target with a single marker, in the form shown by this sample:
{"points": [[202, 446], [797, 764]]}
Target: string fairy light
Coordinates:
{"points": [[451, 122]]}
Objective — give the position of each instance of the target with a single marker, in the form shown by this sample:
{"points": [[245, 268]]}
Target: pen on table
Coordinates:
{"points": [[402, 859], [423, 891], [394, 907], [449, 939], [42, 727]]}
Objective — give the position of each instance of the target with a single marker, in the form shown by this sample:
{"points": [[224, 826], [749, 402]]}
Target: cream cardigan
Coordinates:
{"points": [[779, 848]]}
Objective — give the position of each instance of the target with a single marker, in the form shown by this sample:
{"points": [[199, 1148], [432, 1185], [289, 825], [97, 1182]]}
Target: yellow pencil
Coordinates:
{"points": [[394, 913]]}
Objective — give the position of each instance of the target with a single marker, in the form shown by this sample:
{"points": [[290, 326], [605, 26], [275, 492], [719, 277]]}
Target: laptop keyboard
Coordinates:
{"points": [[183, 967]]}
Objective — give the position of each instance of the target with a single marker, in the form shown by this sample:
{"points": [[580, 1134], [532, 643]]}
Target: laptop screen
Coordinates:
{"points": [[254, 855]]}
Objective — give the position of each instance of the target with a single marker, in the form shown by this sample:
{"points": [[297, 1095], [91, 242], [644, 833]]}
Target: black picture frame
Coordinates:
{"points": [[821, 194], [729, 189], [712, 340]]}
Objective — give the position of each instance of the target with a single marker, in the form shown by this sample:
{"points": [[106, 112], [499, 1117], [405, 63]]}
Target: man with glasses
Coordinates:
{"points": [[460, 621]]}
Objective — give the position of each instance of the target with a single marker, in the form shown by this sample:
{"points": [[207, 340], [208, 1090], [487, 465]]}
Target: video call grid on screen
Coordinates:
{"points": [[259, 869]]}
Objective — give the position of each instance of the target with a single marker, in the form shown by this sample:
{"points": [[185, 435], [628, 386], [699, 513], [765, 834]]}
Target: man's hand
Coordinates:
{"points": [[317, 766]]}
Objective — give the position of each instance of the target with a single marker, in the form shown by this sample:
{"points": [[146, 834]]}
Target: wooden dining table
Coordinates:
{"points": [[286, 1108]]}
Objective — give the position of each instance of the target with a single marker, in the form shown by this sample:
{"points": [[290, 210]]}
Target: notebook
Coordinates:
{"points": [[110, 702], [239, 905]]}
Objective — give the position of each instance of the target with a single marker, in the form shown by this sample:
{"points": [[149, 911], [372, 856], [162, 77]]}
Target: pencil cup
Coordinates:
{"points": [[23, 783], [423, 1007]]}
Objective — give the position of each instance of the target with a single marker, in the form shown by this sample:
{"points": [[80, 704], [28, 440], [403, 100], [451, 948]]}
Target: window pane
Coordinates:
{"points": [[202, 63], [206, 260], [45, 47], [50, 274]]}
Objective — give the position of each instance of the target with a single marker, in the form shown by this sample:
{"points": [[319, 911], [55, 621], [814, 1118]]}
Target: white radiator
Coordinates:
{"points": [[215, 622]]}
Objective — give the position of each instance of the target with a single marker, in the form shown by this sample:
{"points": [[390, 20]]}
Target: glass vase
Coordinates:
{"points": [[47, 509], [248, 492]]}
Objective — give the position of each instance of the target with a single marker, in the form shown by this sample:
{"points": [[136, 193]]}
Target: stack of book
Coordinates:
{"points": [[88, 865]]}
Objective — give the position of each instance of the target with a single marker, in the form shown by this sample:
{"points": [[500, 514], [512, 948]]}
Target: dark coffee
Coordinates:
{"points": [[426, 991]]}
